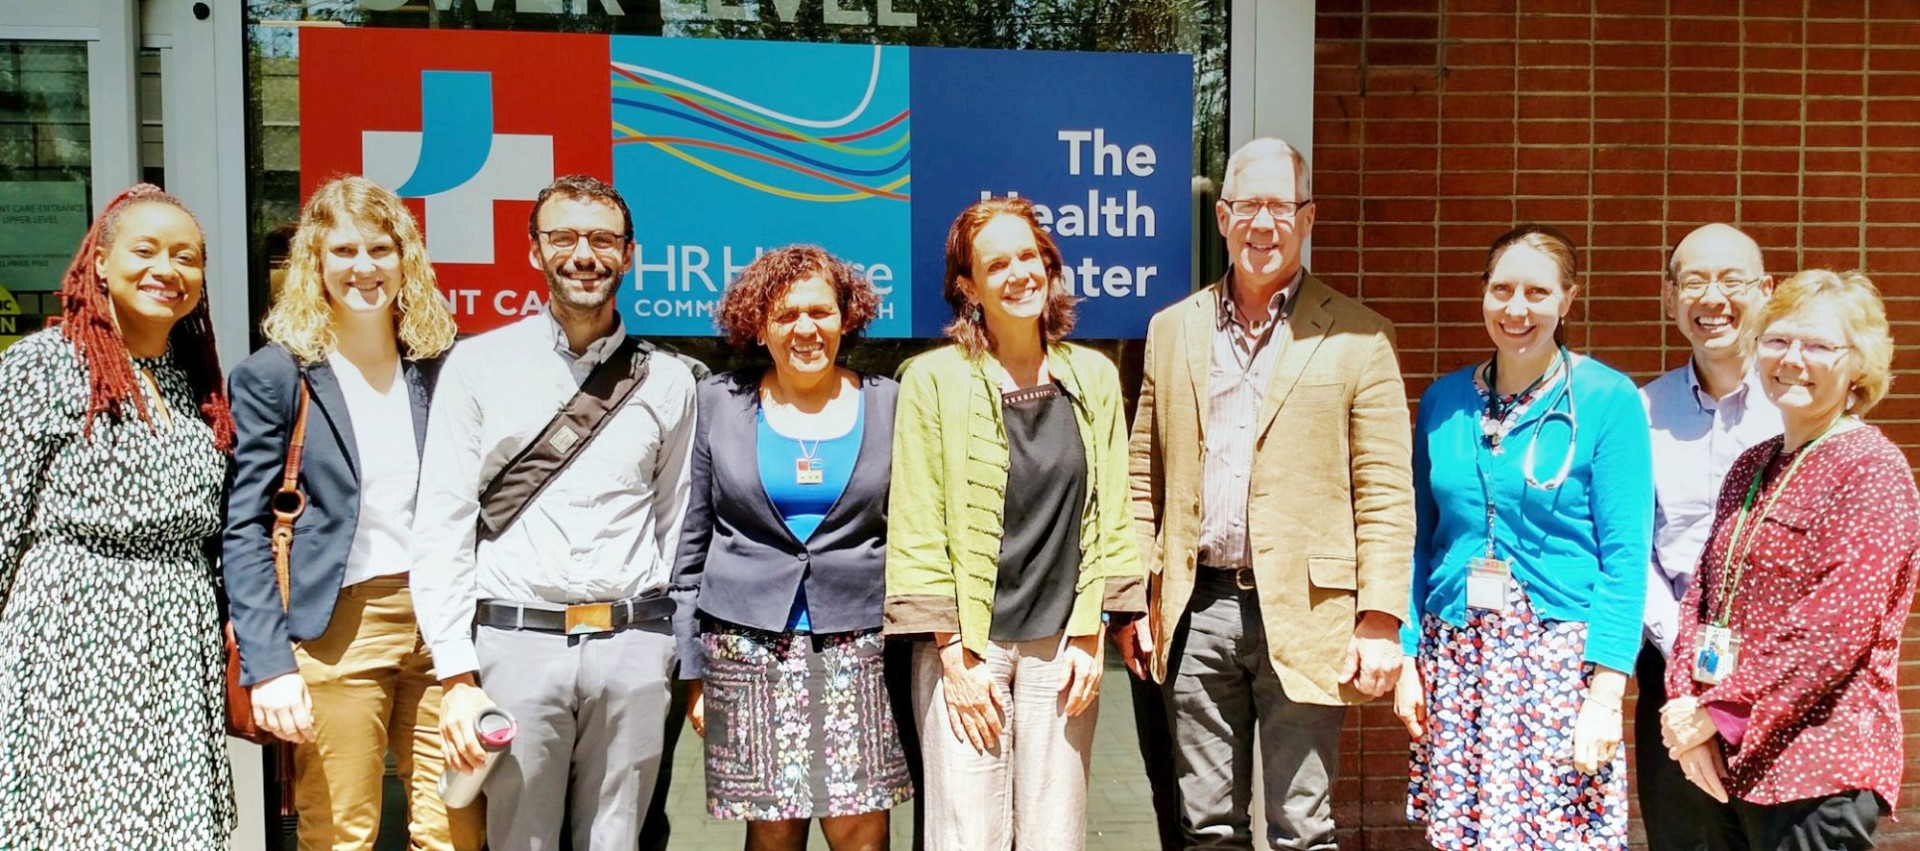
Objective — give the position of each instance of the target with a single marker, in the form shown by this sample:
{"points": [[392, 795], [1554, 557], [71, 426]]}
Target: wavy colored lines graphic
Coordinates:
{"points": [[848, 158]]}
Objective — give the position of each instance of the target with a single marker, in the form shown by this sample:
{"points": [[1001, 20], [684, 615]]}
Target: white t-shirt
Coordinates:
{"points": [[389, 471]]}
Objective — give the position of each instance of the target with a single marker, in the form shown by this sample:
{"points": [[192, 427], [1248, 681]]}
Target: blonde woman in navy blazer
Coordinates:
{"points": [[781, 574], [343, 673]]}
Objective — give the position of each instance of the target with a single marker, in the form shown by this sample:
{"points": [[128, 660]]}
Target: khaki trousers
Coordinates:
{"points": [[1031, 791], [372, 686]]}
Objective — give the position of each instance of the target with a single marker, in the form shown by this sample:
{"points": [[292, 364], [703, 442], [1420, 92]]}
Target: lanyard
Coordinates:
{"points": [[1483, 453], [1746, 528]]}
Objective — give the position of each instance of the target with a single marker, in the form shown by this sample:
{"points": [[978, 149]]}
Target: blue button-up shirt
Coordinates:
{"points": [[1696, 439]]}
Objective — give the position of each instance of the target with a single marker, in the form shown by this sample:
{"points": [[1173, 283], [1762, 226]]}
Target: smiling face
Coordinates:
{"points": [[1706, 265], [360, 267], [1009, 279], [580, 276], [803, 329], [154, 269], [1805, 364], [1524, 301], [1264, 249]]}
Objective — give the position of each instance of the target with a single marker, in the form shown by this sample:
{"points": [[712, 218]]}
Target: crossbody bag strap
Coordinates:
{"points": [[605, 391], [288, 502]]}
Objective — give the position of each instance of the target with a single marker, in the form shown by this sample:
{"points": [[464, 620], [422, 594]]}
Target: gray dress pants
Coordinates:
{"points": [[590, 711], [1220, 685]]}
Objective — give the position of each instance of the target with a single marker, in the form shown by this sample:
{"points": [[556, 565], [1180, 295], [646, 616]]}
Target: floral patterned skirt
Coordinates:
{"points": [[799, 725], [1495, 768]]}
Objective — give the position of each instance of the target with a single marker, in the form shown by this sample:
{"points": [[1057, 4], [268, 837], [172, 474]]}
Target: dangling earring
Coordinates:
{"points": [[973, 314]]}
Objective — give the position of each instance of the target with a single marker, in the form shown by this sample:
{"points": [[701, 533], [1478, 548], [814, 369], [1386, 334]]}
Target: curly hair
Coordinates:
{"points": [[968, 327], [1853, 298], [742, 312], [301, 318], [86, 320]]}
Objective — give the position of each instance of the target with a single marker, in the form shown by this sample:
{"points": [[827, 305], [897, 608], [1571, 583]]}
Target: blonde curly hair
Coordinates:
{"points": [[301, 318]]}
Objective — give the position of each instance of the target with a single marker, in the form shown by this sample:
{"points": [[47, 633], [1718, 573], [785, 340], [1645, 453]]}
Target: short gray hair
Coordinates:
{"points": [[1263, 148]]}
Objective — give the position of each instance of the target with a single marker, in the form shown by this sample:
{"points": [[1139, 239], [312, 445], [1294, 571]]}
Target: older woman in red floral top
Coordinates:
{"points": [[1787, 700]]}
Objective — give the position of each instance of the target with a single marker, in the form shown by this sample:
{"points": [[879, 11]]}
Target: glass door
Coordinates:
{"points": [[46, 175]]}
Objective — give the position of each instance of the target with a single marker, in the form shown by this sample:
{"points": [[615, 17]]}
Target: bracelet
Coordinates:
{"points": [[951, 641]]}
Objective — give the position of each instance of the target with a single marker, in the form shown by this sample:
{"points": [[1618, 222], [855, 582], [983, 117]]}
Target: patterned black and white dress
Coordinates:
{"points": [[112, 730]]}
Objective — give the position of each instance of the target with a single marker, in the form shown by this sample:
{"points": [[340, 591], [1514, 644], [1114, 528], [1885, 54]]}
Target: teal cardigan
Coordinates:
{"points": [[949, 494], [1580, 551]]}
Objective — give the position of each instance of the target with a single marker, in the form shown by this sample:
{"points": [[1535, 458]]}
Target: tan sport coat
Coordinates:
{"points": [[1330, 508]]}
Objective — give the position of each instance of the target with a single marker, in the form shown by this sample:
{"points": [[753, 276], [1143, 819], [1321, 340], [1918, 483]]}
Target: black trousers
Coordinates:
{"points": [[1676, 813], [1843, 821]]}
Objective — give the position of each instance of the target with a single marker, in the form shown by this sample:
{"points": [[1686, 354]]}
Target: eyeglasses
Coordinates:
{"points": [[599, 240], [1730, 287], [1247, 208], [1813, 350]]}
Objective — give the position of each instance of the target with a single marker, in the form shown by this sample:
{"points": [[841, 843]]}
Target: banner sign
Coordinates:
{"points": [[727, 149]]}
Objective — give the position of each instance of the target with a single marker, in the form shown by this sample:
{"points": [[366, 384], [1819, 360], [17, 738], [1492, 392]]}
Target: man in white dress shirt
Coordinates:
{"points": [[1704, 415], [561, 618]]}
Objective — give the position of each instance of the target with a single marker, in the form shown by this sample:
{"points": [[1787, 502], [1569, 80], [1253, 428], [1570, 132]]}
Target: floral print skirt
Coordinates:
{"points": [[799, 725], [1495, 768]]}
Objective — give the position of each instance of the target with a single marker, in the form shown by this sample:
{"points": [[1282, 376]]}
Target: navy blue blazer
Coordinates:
{"points": [[263, 391], [739, 562]]}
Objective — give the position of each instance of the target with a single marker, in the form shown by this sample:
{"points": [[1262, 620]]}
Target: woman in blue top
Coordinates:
{"points": [[1534, 492], [781, 573]]}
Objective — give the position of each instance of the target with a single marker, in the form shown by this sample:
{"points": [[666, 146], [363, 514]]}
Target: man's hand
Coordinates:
{"points": [[974, 709], [1705, 768], [283, 707], [460, 705], [1373, 654], [697, 706], [1133, 640]]}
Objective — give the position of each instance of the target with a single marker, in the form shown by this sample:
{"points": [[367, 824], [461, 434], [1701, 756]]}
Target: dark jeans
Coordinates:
{"points": [[1155, 734], [1676, 813], [1843, 821]]}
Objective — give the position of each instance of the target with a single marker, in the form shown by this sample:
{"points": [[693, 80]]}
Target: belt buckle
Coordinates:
{"points": [[1243, 578], [588, 618]]}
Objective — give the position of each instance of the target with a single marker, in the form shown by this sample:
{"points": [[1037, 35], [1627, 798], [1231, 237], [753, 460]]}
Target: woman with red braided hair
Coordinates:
{"points": [[114, 437]]}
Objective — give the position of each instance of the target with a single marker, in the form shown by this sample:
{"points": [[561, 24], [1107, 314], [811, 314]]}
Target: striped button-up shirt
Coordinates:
{"points": [[1241, 362]]}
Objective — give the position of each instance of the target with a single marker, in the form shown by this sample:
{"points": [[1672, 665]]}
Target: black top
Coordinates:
{"points": [[1046, 495], [739, 562]]}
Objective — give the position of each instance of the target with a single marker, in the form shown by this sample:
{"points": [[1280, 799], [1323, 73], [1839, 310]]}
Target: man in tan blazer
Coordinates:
{"points": [[1273, 495]]}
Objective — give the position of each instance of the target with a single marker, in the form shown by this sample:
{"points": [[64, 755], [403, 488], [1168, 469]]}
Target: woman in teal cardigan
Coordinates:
{"points": [[1534, 497], [1009, 542]]}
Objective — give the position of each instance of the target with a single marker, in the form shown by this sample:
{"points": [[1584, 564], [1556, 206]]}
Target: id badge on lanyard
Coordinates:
{"points": [[1487, 584], [1715, 653]]}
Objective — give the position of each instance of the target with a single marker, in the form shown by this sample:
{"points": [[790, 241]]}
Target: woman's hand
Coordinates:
{"points": [[1084, 667], [1705, 768], [697, 706], [1597, 730], [1684, 724], [973, 705], [1410, 701], [283, 707]]}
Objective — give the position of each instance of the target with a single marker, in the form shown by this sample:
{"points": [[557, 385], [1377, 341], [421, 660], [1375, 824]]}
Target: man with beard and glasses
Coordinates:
{"points": [[558, 613]]}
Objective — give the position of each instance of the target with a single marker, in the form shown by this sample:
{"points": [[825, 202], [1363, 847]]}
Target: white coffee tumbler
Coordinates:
{"points": [[495, 728]]}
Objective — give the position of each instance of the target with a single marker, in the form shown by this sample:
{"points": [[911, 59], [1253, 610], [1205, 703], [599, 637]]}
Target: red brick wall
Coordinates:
{"points": [[1440, 123]]}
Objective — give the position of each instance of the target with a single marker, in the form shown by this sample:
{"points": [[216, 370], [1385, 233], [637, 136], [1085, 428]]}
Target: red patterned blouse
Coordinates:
{"points": [[1819, 609]]}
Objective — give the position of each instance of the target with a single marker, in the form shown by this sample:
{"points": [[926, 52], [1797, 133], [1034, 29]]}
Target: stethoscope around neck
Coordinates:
{"points": [[1528, 468]]}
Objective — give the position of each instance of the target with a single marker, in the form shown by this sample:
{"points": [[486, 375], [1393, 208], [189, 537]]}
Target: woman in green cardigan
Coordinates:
{"points": [[1010, 545]]}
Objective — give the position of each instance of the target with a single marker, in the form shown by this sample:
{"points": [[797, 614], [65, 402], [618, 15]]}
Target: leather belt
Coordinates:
{"points": [[579, 619], [1241, 577]]}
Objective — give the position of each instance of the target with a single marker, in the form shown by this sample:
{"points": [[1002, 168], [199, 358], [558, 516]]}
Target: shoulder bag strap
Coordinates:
{"points": [[289, 503], [605, 391]]}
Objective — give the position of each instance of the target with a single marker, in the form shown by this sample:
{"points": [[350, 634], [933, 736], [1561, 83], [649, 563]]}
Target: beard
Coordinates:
{"points": [[567, 292]]}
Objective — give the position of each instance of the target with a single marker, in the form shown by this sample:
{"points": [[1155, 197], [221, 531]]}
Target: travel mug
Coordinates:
{"points": [[495, 727]]}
